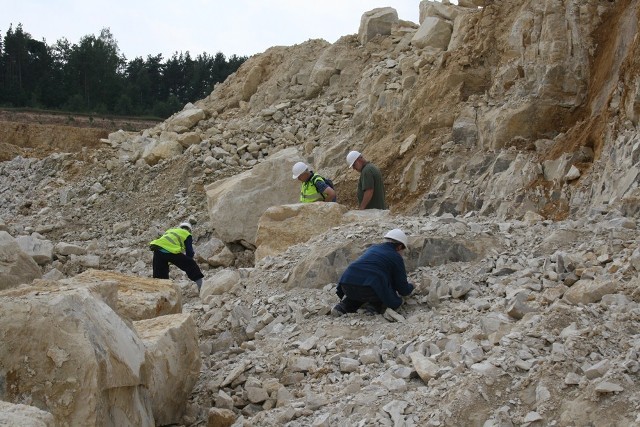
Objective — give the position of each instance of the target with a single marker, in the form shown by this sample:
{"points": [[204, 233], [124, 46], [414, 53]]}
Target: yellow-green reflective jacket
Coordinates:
{"points": [[309, 192], [172, 240]]}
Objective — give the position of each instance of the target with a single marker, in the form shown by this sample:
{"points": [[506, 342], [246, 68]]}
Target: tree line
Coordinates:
{"points": [[93, 77]]}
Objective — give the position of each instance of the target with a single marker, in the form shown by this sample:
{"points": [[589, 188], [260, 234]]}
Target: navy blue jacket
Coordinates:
{"points": [[381, 268], [188, 247]]}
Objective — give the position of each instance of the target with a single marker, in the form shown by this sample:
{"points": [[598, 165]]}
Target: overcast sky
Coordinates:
{"points": [[241, 27]]}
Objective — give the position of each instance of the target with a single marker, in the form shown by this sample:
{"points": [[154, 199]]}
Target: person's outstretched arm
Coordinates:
{"points": [[188, 247]]}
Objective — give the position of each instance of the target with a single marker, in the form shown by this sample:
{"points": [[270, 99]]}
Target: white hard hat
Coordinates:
{"points": [[186, 225], [397, 235], [298, 169], [352, 157]]}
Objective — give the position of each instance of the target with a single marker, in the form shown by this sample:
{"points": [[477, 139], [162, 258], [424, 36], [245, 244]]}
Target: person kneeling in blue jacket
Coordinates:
{"points": [[376, 280]]}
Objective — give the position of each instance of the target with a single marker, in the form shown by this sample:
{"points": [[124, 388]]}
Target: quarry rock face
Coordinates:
{"points": [[138, 298], [172, 351], [286, 225], [251, 192], [507, 136], [16, 266], [81, 363], [24, 415]]}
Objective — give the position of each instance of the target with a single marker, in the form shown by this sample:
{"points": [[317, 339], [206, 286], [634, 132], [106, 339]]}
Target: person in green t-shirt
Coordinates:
{"points": [[370, 185]]}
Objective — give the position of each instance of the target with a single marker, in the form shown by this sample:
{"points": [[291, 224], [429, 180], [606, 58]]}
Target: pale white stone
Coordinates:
{"points": [[302, 364], [572, 174], [424, 366], [138, 298], [187, 118], [171, 346], [433, 32], [376, 22], [94, 344], [24, 416], [227, 197], [608, 387], [598, 370], [66, 249], [348, 364], [16, 266], [220, 283], [40, 250], [286, 225]]}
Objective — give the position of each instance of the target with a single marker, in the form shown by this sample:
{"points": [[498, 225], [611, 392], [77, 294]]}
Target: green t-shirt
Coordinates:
{"points": [[370, 177]]}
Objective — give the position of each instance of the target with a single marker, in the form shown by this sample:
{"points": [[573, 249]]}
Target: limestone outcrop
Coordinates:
{"points": [[286, 225], [377, 22], [24, 415], [41, 250], [138, 298], [16, 266], [252, 193], [174, 363], [80, 362]]}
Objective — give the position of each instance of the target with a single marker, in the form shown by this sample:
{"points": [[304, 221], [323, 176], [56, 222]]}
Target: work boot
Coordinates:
{"points": [[338, 310], [369, 309]]}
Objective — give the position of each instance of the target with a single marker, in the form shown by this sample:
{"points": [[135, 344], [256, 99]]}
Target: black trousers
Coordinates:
{"points": [[161, 261], [357, 295]]}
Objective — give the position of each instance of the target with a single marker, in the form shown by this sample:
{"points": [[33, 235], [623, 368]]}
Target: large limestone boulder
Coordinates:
{"points": [[173, 356], [589, 291], [323, 69], [107, 291], [130, 150], [41, 250], [67, 249], [375, 22], [155, 151], [215, 253], [188, 139], [72, 354], [187, 118], [16, 267], [323, 265], [252, 81], [433, 32], [24, 416], [235, 204], [220, 283], [427, 251], [138, 298], [437, 9], [287, 225]]}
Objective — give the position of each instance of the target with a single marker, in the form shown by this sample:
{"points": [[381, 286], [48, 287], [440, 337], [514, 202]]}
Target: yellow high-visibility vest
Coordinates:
{"points": [[172, 240], [309, 192]]}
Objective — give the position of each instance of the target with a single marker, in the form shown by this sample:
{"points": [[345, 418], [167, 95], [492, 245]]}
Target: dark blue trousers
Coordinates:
{"points": [[161, 261], [357, 295]]}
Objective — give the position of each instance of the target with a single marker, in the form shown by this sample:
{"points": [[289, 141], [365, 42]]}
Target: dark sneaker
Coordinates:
{"points": [[338, 310], [369, 309]]}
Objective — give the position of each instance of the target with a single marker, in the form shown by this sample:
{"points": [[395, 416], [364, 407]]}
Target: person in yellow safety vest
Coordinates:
{"points": [[314, 188], [175, 247]]}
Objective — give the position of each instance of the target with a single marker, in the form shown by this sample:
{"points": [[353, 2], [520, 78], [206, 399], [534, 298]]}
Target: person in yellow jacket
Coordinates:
{"points": [[314, 188], [175, 247]]}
